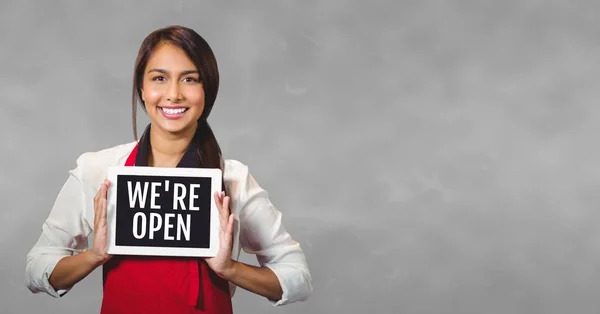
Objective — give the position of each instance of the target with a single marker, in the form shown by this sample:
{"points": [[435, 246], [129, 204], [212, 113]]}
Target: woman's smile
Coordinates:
{"points": [[173, 112]]}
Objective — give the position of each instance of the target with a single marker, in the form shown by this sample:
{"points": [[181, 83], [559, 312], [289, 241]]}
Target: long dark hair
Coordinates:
{"points": [[198, 50]]}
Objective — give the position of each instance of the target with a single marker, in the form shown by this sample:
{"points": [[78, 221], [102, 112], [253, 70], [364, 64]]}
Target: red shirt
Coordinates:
{"points": [[143, 284]]}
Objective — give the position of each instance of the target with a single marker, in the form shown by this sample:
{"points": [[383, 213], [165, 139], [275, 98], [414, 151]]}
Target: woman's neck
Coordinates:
{"points": [[166, 149]]}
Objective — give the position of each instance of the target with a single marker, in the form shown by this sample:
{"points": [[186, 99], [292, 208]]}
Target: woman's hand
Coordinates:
{"points": [[98, 250], [222, 264]]}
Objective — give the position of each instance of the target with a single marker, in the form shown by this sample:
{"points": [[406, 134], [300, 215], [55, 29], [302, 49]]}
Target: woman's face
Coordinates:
{"points": [[172, 91]]}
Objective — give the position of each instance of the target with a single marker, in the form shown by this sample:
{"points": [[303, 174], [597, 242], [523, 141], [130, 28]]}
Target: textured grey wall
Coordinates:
{"points": [[430, 156]]}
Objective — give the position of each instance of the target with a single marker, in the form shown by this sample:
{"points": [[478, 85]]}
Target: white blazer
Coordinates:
{"points": [[69, 227]]}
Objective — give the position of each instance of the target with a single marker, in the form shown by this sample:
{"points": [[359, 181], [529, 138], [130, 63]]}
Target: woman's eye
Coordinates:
{"points": [[159, 78], [190, 80]]}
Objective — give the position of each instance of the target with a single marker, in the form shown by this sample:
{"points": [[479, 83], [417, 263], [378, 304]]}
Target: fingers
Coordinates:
{"points": [[223, 206], [219, 195], [102, 191], [100, 201], [100, 220], [102, 212], [105, 185], [226, 205], [226, 234], [222, 201], [230, 225], [96, 200]]}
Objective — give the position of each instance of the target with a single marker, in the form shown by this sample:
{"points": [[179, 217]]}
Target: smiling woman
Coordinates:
{"points": [[176, 80], [172, 92]]}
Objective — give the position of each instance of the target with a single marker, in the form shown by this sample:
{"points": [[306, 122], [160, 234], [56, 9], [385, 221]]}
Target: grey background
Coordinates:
{"points": [[430, 156]]}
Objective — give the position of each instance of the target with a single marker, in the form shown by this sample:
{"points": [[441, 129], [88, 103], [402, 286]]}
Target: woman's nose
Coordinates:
{"points": [[174, 92]]}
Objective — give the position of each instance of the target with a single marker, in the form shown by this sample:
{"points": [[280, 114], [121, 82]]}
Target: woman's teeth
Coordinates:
{"points": [[173, 111]]}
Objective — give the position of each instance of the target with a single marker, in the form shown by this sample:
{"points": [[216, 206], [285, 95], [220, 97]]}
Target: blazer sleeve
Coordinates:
{"points": [[263, 234], [64, 232]]}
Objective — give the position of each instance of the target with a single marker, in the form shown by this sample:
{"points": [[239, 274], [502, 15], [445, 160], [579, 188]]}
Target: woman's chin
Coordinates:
{"points": [[174, 127]]}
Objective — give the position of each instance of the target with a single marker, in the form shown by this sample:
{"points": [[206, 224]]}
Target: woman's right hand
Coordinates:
{"points": [[72, 269], [100, 225]]}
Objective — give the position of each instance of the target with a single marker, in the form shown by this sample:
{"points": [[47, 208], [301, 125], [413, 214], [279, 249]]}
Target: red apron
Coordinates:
{"points": [[144, 284]]}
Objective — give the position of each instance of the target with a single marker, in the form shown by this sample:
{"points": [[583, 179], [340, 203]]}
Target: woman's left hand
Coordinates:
{"points": [[222, 264]]}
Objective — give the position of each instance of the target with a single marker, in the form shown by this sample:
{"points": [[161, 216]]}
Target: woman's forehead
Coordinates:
{"points": [[170, 58]]}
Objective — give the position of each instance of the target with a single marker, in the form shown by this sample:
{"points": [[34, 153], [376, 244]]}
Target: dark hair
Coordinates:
{"points": [[198, 50]]}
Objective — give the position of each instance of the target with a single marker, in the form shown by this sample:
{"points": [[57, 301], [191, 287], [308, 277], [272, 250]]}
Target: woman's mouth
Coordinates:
{"points": [[173, 112]]}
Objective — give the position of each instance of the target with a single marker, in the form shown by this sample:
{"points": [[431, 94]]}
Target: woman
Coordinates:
{"points": [[176, 80]]}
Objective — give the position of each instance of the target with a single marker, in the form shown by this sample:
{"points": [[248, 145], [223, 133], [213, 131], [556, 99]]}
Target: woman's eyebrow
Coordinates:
{"points": [[162, 71]]}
